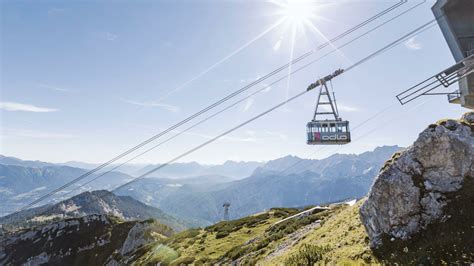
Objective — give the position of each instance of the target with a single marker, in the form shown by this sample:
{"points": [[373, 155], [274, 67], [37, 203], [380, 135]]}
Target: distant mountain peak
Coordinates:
{"points": [[100, 202]]}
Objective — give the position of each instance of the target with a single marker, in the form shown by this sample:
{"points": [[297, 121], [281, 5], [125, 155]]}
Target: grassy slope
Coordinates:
{"points": [[343, 235], [252, 239], [213, 243], [341, 239]]}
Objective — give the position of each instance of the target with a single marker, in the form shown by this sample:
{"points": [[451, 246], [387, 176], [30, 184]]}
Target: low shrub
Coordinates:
{"points": [[308, 255], [224, 228], [183, 261], [236, 252], [222, 234]]}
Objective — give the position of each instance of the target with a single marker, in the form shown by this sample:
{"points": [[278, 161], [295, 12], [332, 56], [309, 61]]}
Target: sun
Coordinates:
{"points": [[297, 12], [297, 17]]}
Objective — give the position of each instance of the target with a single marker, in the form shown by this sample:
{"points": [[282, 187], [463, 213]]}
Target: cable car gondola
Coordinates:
{"points": [[327, 131]]}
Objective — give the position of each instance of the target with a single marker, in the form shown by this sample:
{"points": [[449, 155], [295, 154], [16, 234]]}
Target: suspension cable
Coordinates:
{"points": [[219, 102], [365, 59], [249, 96]]}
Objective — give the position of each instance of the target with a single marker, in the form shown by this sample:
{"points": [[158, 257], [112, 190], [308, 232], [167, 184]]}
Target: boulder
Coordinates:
{"points": [[415, 187]]}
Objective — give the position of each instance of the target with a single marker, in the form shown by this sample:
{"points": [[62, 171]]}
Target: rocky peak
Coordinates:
{"points": [[418, 186], [89, 240]]}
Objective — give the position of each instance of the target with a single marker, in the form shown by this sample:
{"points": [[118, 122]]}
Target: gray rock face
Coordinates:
{"points": [[415, 186], [136, 237]]}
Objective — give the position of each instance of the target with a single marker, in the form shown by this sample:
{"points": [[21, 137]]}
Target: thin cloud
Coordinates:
{"points": [[35, 134], [256, 136], [248, 136], [224, 138], [413, 44], [54, 88], [341, 108], [248, 104], [109, 36], [12, 106], [276, 134], [167, 107], [268, 88], [347, 108], [56, 11], [277, 46]]}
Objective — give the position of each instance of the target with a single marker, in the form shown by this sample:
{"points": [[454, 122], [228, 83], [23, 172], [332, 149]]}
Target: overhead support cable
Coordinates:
{"points": [[253, 94], [226, 98], [245, 98], [311, 87]]}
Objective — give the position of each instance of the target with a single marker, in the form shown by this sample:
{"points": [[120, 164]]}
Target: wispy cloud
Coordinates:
{"points": [[55, 88], [248, 104], [267, 88], [257, 136], [346, 108], [109, 36], [56, 11], [246, 138], [276, 134], [277, 45], [413, 44], [12, 106], [341, 107], [167, 107], [26, 133]]}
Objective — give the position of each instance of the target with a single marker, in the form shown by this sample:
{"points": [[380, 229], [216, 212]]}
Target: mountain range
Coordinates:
{"points": [[307, 182], [233, 169], [20, 185], [195, 193], [100, 202], [21, 181]]}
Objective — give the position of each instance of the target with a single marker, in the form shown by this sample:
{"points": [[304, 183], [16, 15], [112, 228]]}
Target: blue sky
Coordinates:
{"points": [[85, 80]]}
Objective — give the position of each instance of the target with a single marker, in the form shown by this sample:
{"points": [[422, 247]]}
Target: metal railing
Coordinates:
{"points": [[470, 49], [469, 52], [444, 79], [454, 96]]}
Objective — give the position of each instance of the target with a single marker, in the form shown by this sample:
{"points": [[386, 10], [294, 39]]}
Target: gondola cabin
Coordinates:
{"points": [[328, 132]]}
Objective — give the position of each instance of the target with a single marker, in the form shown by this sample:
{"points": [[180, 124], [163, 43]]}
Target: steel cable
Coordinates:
{"points": [[226, 98]]}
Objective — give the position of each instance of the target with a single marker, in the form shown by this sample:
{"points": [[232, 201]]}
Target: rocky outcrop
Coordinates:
{"points": [[89, 240], [414, 189]]}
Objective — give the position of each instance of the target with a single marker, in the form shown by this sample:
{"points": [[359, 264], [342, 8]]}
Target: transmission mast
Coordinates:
{"points": [[226, 206]]}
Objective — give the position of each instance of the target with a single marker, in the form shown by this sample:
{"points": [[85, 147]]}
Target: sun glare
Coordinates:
{"points": [[296, 12], [298, 17]]}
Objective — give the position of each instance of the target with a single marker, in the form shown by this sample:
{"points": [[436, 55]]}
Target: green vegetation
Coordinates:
{"points": [[224, 241], [443, 122], [292, 225], [340, 239], [155, 254], [224, 228], [245, 240], [307, 255], [390, 161], [342, 235]]}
